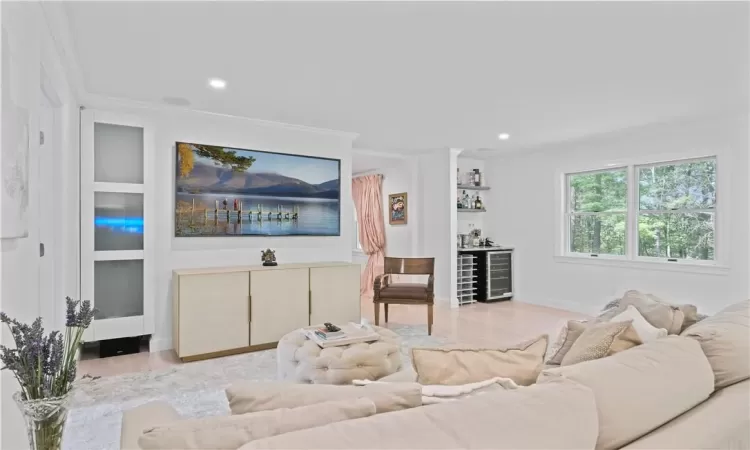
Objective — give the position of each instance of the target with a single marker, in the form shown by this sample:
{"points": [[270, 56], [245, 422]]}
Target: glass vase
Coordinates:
{"points": [[45, 420]]}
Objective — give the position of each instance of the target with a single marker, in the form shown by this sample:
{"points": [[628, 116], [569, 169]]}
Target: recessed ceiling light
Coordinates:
{"points": [[503, 136], [217, 83]]}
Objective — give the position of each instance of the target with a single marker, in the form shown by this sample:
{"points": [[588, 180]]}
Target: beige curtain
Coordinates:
{"points": [[368, 201]]}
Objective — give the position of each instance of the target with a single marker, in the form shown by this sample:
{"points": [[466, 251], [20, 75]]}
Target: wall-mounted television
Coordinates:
{"points": [[224, 191]]}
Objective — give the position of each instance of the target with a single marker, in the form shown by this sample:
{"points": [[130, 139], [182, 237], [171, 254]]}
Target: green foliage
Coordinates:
{"points": [[663, 231], [220, 156]]}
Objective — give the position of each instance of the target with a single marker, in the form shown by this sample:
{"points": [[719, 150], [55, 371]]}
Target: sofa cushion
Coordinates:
{"points": [[551, 416], [642, 388], [252, 396], [405, 375], [565, 340], [646, 331], [725, 339], [600, 340], [721, 422], [231, 432], [521, 363], [658, 312]]}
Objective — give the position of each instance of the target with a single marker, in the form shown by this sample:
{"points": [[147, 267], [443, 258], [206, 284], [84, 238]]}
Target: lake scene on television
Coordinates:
{"points": [[221, 191]]}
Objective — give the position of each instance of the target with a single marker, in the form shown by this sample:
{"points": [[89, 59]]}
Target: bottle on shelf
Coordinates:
{"points": [[465, 200], [458, 176], [478, 203], [477, 178]]}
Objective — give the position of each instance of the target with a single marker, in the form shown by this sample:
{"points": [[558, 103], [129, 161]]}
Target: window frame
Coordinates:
{"points": [[568, 214], [357, 245], [631, 257]]}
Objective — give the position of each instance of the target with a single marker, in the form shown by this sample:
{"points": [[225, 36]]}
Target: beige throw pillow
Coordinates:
{"points": [[452, 366], [725, 340], [601, 340], [656, 311], [568, 335], [232, 432], [252, 396]]}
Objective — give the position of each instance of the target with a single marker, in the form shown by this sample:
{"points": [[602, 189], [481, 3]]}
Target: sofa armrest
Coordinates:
{"points": [[143, 417]]}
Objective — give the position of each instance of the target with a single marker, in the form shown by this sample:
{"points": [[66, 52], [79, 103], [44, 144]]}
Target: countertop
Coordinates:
{"points": [[482, 249], [280, 266]]}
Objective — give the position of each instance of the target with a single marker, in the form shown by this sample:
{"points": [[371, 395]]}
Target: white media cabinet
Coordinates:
{"points": [[229, 310]]}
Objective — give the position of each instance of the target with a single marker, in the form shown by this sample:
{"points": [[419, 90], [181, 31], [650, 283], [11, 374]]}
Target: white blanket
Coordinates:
{"points": [[436, 393]]}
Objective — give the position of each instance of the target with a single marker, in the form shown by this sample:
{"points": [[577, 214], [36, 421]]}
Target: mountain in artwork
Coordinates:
{"points": [[206, 178]]}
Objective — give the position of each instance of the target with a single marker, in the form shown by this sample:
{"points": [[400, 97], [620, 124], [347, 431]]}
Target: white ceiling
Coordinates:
{"points": [[412, 76]]}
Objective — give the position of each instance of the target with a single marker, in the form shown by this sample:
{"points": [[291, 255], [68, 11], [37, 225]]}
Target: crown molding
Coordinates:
{"points": [[379, 154], [103, 101]]}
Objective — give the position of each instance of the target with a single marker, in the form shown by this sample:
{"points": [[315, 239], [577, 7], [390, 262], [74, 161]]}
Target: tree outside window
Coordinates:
{"points": [[598, 212], [676, 210]]}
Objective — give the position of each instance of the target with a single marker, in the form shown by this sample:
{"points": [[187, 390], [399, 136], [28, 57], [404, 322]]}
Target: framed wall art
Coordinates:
{"points": [[397, 209]]}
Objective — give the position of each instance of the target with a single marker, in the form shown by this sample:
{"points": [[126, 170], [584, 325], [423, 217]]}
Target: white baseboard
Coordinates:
{"points": [[158, 345]]}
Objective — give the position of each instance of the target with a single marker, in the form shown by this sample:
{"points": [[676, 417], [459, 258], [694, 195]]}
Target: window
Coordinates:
{"points": [[597, 212], [664, 211], [676, 209]]}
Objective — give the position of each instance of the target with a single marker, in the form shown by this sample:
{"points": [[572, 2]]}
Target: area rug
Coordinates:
{"points": [[194, 390]]}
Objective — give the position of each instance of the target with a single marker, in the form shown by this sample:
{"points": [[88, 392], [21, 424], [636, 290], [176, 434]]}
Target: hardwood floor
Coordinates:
{"points": [[479, 324]]}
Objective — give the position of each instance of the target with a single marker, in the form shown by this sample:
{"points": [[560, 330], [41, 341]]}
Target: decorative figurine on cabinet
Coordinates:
{"points": [[268, 257]]}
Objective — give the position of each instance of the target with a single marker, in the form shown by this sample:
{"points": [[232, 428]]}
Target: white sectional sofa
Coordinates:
{"points": [[681, 392]]}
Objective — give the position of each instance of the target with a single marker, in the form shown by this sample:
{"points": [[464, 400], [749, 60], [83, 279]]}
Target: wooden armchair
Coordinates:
{"points": [[387, 292]]}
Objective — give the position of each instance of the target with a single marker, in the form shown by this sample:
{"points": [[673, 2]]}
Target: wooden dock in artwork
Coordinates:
{"points": [[260, 214]]}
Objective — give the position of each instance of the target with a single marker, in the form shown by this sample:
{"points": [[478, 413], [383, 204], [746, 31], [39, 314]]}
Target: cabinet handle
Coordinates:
{"points": [[309, 302], [249, 308]]}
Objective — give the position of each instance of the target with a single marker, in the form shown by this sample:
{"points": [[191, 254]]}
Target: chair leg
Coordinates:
{"points": [[386, 312], [429, 319], [377, 313]]}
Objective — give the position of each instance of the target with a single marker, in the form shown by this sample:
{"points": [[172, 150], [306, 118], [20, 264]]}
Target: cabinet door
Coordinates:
{"points": [[279, 303], [214, 312], [335, 295]]}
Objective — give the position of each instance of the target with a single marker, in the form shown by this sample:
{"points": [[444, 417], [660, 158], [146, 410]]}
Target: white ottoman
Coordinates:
{"points": [[302, 361]]}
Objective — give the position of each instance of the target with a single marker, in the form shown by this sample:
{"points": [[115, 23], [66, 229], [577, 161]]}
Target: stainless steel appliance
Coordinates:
{"points": [[499, 274], [464, 240]]}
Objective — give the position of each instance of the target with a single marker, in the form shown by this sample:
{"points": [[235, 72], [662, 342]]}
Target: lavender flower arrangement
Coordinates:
{"points": [[45, 367]]}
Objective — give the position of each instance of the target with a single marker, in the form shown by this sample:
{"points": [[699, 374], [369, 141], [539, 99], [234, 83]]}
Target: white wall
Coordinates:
{"points": [[522, 214], [399, 238], [173, 124], [437, 233], [26, 33]]}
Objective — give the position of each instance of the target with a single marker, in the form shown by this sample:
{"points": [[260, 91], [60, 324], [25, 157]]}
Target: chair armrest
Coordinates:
{"points": [[380, 282], [431, 284]]}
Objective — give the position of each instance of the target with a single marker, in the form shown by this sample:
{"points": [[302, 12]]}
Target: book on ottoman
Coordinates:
{"points": [[350, 333]]}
